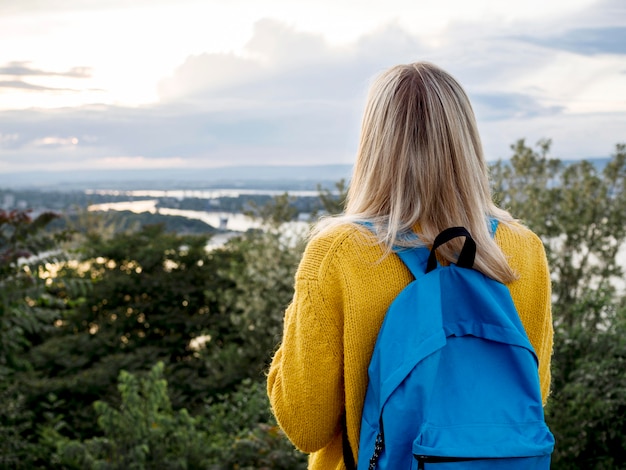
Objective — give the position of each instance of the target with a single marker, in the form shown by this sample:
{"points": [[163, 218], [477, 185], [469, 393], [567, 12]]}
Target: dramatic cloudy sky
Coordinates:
{"points": [[183, 83]]}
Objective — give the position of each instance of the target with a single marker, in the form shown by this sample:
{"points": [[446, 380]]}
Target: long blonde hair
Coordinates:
{"points": [[420, 165]]}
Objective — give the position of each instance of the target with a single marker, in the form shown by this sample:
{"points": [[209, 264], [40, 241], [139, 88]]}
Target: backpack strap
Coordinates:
{"points": [[416, 258], [468, 252]]}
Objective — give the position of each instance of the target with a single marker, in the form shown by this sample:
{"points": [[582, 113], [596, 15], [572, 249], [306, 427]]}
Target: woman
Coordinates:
{"points": [[420, 167]]}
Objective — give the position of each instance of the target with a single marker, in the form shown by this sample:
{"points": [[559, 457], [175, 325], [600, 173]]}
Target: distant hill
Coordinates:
{"points": [[287, 178], [253, 177]]}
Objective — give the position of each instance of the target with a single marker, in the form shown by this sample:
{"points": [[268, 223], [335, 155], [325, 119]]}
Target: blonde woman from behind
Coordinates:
{"points": [[419, 168]]}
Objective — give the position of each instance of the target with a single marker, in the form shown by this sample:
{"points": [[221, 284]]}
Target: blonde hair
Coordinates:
{"points": [[420, 165]]}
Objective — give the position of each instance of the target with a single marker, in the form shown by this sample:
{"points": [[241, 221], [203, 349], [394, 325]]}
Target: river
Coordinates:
{"points": [[233, 223], [230, 223]]}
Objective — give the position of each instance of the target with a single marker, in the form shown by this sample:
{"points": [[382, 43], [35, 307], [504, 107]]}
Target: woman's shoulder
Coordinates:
{"points": [[523, 249], [339, 233], [513, 236], [338, 244]]}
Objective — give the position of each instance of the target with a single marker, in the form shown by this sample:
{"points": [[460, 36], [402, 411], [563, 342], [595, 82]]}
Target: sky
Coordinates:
{"points": [[121, 84]]}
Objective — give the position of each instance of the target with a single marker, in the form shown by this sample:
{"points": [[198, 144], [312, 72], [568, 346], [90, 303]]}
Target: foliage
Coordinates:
{"points": [[333, 202], [28, 307], [235, 431], [263, 286], [158, 296], [26, 253], [578, 210], [150, 299], [588, 410], [144, 433], [275, 212], [15, 420], [113, 221], [261, 269], [171, 223], [244, 434]]}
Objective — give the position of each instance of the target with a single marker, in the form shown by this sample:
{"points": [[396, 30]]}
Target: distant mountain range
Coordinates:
{"points": [[287, 178], [253, 177]]}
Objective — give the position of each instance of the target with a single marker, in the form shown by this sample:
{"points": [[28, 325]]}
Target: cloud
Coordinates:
{"points": [[277, 53], [610, 40], [53, 141], [279, 63], [23, 69], [7, 139], [508, 79], [77, 138], [208, 72], [21, 85], [600, 14], [19, 69], [37, 6], [291, 97], [499, 106], [138, 162]]}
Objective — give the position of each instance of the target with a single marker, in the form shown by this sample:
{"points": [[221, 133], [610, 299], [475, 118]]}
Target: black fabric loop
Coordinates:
{"points": [[468, 252]]}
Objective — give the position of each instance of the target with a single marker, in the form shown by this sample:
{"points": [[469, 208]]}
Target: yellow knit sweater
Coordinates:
{"points": [[342, 291]]}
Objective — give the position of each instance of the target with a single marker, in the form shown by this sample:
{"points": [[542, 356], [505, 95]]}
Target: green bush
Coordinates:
{"points": [[244, 434], [143, 433], [235, 431]]}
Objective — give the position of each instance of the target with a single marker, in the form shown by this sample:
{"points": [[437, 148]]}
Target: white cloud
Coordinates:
{"points": [[581, 84], [208, 71], [55, 141]]}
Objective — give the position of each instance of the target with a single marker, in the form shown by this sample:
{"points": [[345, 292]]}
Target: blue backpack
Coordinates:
{"points": [[453, 380]]}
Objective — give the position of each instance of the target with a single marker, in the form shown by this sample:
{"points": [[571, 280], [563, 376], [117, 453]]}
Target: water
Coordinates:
{"points": [[200, 194], [231, 222], [237, 222], [223, 220]]}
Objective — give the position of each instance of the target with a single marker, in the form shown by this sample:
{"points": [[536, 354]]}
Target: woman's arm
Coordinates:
{"points": [[531, 293], [305, 380]]}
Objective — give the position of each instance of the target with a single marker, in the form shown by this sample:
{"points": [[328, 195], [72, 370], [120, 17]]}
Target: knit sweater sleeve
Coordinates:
{"points": [[305, 379], [531, 293]]}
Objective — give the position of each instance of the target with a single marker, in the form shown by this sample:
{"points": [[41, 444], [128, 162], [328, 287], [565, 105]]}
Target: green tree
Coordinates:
{"points": [[578, 210], [29, 255], [262, 278], [587, 412], [144, 433], [235, 431], [333, 202], [158, 296], [275, 212], [26, 254], [151, 298], [244, 434]]}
